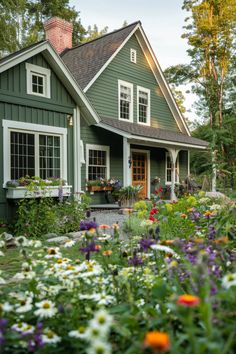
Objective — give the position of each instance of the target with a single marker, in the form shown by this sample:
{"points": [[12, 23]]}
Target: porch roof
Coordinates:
{"points": [[150, 134]]}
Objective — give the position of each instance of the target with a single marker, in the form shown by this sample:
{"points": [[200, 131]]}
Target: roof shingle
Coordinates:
{"points": [[85, 60], [154, 133]]}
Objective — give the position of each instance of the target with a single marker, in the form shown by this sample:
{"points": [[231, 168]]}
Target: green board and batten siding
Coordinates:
{"points": [[17, 105], [103, 94], [99, 136]]}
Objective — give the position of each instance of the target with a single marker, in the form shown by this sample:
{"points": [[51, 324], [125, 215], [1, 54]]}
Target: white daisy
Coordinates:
{"points": [[6, 307], [104, 299], [46, 309], [69, 243], [2, 243], [21, 241], [53, 252], [2, 254], [23, 327], [50, 337], [78, 333], [24, 304], [229, 280], [95, 331], [163, 248], [103, 319], [99, 347]]}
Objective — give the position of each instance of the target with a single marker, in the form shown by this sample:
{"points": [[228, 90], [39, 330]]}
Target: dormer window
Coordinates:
{"points": [[38, 80], [133, 56]]}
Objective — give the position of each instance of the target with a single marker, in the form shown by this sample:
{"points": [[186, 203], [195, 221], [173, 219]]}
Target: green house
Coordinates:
{"points": [[40, 110], [102, 109], [142, 133]]}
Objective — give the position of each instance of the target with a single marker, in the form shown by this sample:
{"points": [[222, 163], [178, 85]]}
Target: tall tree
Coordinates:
{"points": [[21, 21], [93, 33]]}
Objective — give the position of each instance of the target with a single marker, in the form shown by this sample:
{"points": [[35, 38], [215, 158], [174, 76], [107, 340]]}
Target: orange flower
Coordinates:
{"points": [[198, 240], [104, 226], [98, 247], [158, 341], [188, 300], [184, 216], [167, 242], [208, 213], [107, 253], [221, 240]]}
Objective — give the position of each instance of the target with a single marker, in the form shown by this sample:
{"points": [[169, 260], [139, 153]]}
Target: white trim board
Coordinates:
{"points": [[9, 125], [101, 148]]}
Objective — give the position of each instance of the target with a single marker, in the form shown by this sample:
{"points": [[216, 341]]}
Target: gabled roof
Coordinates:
{"points": [[161, 136], [60, 69], [87, 59]]}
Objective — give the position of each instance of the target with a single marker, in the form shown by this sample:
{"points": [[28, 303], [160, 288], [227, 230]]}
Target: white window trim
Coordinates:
{"points": [[140, 88], [133, 55], [9, 125], [176, 175], [127, 84], [100, 148], [35, 69], [82, 159]]}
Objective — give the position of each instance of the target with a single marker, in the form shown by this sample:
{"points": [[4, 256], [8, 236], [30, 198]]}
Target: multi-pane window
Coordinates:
{"points": [[38, 80], [22, 154], [125, 101], [169, 168], [97, 162], [49, 156], [35, 154], [143, 101], [38, 84]]}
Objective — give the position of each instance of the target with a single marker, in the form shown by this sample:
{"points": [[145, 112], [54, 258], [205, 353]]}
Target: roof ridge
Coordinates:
{"points": [[104, 35]]}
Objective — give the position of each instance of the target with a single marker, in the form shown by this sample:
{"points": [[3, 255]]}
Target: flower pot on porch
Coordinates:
{"points": [[48, 191]]}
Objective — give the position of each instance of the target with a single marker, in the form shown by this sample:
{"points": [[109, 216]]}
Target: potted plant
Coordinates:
{"points": [[101, 185], [129, 195]]}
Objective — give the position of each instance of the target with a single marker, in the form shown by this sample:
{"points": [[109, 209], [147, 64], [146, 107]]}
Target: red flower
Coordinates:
{"points": [[154, 211], [188, 300], [151, 218]]}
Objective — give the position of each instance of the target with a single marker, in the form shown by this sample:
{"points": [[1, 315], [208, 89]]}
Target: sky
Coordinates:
{"points": [[162, 21]]}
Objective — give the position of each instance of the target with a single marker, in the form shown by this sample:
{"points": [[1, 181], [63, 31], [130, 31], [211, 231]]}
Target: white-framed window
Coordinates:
{"points": [[125, 90], [97, 162], [133, 55], [38, 80], [143, 105], [168, 169], [34, 150]]}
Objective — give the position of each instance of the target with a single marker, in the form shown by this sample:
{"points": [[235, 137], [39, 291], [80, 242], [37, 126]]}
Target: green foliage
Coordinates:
{"points": [[93, 33], [21, 22], [39, 216]]}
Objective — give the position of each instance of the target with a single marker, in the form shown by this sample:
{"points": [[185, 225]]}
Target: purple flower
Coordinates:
{"points": [[212, 232], [145, 243], [87, 225], [135, 261], [91, 247]]}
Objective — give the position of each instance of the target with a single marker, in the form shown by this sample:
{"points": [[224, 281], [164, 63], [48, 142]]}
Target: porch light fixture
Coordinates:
{"points": [[70, 120]]}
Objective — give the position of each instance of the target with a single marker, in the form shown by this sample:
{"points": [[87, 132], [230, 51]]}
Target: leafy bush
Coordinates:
{"points": [[39, 216]]}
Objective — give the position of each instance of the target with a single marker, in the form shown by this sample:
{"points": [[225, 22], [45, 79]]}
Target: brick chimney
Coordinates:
{"points": [[59, 33]]}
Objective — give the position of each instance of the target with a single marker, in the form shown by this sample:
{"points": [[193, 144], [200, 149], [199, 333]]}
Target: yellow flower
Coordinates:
{"points": [[169, 207], [107, 253]]}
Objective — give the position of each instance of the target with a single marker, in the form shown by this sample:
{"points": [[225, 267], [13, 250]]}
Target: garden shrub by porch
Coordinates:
{"points": [[39, 216]]}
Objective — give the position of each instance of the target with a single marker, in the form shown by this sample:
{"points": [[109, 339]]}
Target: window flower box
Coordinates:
{"points": [[99, 188], [47, 191]]}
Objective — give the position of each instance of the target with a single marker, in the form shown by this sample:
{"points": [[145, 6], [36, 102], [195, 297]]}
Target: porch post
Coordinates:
{"points": [[126, 167], [173, 157], [76, 142]]}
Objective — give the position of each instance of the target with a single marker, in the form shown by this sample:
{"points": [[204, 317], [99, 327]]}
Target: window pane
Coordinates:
{"points": [[97, 164], [143, 106], [22, 152], [49, 151]]}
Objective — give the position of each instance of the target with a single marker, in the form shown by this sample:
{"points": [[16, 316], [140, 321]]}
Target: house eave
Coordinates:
{"points": [[142, 140]]}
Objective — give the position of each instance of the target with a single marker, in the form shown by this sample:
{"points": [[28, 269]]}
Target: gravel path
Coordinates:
{"points": [[108, 217]]}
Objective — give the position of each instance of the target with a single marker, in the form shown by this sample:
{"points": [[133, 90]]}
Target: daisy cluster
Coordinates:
{"points": [[140, 294]]}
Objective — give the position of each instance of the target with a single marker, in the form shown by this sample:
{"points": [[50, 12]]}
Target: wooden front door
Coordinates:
{"points": [[139, 171]]}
